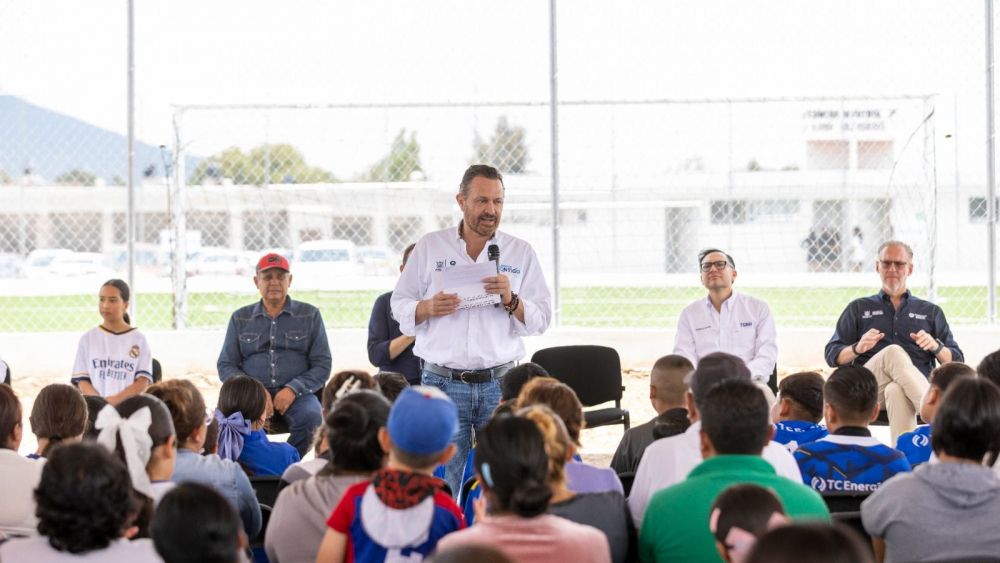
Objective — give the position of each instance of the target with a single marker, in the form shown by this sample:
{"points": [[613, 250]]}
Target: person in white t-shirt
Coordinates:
{"points": [[113, 360]]}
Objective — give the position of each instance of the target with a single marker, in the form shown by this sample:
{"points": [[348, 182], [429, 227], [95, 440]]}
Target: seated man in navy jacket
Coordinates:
{"points": [[388, 348], [898, 336]]}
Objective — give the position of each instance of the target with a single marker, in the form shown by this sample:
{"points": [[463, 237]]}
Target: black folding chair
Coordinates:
{"points": [[594, 373], [157, 371], [6, 377], [265, 488], [846, 509]]}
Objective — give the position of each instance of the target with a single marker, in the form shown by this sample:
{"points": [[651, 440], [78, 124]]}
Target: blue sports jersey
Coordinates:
{"points": [[916, 445], [791, 433], [848, 463]]}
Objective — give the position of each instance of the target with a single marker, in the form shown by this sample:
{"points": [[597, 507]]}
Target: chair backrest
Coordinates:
{"points": [[593, 372], [265, 488], [157, 371], [627, 478], [6, 369], [844, 502]]}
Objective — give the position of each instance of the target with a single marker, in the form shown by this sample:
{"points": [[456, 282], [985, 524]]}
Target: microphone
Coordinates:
{"points": [[493, 252]]}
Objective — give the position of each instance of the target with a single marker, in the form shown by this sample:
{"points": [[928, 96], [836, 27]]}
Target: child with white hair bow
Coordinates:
{"points": [[140, 431]]}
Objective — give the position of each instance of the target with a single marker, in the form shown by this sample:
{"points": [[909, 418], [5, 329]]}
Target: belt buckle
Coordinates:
{"points": [[461, 377]]}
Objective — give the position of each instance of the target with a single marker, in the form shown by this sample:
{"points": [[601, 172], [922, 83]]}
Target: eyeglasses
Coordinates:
{"points": [[892, 264], [717, 265]]}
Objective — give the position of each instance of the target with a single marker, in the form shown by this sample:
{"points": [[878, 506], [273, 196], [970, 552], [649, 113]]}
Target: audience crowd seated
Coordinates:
{"points": [[710, 484], [946, 510], [513, 467], [668, 461], [580, 477], [403, 511], [666, 393], [735, 430], [298, 521], [226, 477], [85, 511], [242, 414], [605, 511], [849, 459], [798, 410]]}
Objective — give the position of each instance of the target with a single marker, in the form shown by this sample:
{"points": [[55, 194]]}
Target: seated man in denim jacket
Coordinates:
{"points": [[281, 343]]}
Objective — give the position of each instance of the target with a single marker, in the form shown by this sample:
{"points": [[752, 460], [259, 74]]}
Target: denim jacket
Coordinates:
{"points": [[290, 350]]}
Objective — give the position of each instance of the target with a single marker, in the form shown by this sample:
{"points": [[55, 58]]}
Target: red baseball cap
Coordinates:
{"points": [[272, 260]]}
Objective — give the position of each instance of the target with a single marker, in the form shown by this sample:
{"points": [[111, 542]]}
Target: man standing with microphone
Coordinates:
{"points": [[466, 351]]}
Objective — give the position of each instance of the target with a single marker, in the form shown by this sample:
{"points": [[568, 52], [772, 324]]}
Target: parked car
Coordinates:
{"points": [[10, 265], [318, 261], [78, 264], [212, 261], [379, 260], [38, 261]]}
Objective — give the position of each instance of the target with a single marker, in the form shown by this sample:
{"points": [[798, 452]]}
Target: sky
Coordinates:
{"points": [[70, 56]]}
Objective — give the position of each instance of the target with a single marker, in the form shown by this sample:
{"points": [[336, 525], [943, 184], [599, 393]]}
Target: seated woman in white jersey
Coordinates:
{"points": [[113, 360]]}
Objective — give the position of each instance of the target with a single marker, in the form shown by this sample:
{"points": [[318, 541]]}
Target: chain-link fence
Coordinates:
{"points": [[800, 190]]}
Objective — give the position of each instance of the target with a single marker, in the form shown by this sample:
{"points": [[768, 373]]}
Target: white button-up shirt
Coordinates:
{"points": [[743, 327], [476, 338], [668, 461]]}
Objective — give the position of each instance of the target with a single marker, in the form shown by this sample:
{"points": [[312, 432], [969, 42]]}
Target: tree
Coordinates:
{"points": [[274, 164], [506, 148], [76, 177], [400, 164]]}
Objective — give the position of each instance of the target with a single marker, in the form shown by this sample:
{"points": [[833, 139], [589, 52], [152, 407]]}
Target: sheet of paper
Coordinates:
{"points": [[467, 281]]}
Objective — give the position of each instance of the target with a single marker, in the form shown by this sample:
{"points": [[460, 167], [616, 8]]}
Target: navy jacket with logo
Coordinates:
{"points": [[877, 312]]}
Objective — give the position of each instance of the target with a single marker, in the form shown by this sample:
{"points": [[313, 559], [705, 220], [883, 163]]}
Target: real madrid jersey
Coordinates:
{"points": [[110, 361]]}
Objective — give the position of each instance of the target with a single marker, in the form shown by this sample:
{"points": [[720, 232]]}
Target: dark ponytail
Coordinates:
{"points": [[512, 464], [126, 294], [352, 432]]}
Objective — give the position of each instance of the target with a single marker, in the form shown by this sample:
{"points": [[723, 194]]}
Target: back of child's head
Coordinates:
{"points": [[83, 499], [195, 524], [734, 416], [811, 542], [740, 515], [391, 384], [943, 375], [989, 367], [517, 376], [133, 429], [513, 466], [557, 443], [10, 416], [352, 433], [967, 422], [243, 403], [342, 383], [667, 377], [59, 413], [804, 393], [560, 398], [421, 424], [245, 395], [94, 405], [712, 369], [187, 406], [852, 391]]}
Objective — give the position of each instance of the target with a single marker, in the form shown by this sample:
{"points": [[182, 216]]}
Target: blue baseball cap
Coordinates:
{"points": [[422, 420]]}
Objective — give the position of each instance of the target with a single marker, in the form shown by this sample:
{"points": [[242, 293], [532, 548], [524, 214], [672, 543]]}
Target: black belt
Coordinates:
{"points": [[469, 375]]}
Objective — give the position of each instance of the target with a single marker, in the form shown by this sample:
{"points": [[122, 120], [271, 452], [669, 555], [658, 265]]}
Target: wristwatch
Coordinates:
{"points": [[940, 347]]}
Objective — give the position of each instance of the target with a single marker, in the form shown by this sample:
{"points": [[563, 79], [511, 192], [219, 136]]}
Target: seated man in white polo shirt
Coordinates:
{"points": [[726, 321]]}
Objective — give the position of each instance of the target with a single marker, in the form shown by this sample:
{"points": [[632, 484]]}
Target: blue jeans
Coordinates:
{"points": [[303, 417], [475, 403]]}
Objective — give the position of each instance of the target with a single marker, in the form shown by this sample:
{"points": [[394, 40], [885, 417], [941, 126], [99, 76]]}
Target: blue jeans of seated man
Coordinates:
{"points": [[475, 403], [303, 417]]}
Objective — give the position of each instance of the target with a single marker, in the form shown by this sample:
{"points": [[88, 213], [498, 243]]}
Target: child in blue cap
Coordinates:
{"points": [[404, 510]]}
